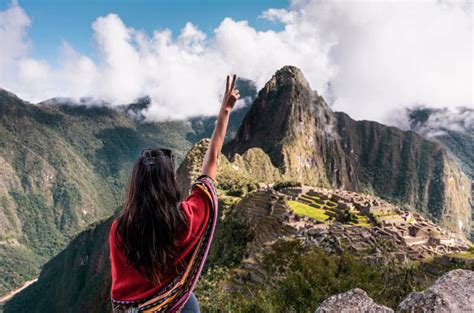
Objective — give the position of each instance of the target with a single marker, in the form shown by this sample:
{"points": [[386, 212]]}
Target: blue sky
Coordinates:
{"points": [[69, 20]]}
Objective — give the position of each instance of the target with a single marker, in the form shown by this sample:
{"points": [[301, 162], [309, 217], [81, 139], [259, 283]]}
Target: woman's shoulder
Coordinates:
{"points": [[113, 225], [203, 192]]}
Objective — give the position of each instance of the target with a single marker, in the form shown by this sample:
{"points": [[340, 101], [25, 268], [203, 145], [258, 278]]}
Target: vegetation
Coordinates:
{"points": [[319, 210], [301, 279], [302, 209], [468, 255], [19, 264], [230, 239], [285, 184]]}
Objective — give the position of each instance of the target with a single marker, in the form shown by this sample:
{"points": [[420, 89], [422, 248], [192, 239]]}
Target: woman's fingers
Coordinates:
{"points": [[227, 84], [235, 94], [234, 78]]}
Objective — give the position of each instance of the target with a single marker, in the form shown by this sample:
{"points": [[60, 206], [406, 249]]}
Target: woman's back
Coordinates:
{"points": [[128, 284]]}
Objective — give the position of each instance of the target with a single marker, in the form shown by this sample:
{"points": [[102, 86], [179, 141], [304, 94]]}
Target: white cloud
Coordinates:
{"points": [[13, 37], [377, 57], [279, 15], [460, 120], [394, 54]]}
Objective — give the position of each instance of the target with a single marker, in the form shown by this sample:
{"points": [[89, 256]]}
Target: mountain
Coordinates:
{"points": [[454, 129], [64, 165], [310, 143], [80, 272], [288, 136]]}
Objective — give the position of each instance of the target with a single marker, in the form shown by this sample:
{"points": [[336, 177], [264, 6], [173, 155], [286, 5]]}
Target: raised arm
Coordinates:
{"points": [[209, 165]]}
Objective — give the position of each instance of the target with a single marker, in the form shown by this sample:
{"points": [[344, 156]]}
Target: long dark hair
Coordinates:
{"points": [[151, 220]]}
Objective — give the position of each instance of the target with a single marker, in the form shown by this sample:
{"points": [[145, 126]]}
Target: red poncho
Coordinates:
{"points": [[127, 282]]}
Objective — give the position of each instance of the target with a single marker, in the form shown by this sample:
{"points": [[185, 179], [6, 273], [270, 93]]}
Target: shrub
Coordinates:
{"points": [[284, 184]]}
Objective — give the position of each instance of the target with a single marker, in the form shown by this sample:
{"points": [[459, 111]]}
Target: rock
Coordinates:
{"points": [[452, 292], [313, 232], [354, 300]]}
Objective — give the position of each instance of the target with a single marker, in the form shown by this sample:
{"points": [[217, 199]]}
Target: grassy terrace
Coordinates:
{"points": [[362, 220], [302, 209], [319, 213], [328, 204]]}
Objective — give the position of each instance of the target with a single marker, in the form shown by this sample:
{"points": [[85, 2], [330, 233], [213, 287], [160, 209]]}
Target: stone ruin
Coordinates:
{"points": [[394, 232], [399, 236]]}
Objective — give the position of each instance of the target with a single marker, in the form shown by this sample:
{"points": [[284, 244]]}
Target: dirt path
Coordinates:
{"points": [[14, 292]]}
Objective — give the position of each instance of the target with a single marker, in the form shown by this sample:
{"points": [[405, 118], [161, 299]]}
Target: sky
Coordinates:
{"points": [[69, 20], [370, 59]]}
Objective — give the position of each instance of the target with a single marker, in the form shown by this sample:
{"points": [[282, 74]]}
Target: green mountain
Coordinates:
{"points": [[64, 165], [288, 136], [452, 129]]}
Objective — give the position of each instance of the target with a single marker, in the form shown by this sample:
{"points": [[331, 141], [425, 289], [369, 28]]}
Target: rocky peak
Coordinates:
{"points": [[283, 106], [288, 75], [293, 124]]}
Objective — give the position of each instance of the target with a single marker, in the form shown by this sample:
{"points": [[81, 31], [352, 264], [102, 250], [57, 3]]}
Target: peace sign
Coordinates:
{"points": [[231, 94]]}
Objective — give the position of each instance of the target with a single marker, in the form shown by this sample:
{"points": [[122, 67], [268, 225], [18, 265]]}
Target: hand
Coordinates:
{"points": [[231, 94]]}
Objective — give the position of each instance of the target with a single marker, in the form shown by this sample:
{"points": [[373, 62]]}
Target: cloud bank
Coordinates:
{"points": [[367, 58], [438, 122]]}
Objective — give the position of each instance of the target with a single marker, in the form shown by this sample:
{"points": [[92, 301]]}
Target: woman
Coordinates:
{"points": [[158, 244]]}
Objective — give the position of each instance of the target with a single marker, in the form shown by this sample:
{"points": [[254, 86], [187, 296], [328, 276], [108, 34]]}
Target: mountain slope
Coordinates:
{"points": [[295, 127], [410, 169], [454, 129], [84, 268]]}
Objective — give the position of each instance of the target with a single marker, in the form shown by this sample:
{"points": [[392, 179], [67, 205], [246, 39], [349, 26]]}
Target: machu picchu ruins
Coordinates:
{"points": [[337, 221], [408, 235]]}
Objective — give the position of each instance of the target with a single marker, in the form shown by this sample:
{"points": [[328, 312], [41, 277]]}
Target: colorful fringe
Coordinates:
{"points": [[173, 297]]}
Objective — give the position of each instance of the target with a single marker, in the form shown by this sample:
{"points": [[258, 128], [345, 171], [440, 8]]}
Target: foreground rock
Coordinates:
{"points": [[452, 292], [355, 300]]}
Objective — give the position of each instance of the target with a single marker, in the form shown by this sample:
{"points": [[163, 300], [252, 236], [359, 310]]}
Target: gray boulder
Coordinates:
{"points": [[355, 300], [452, 292]]}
